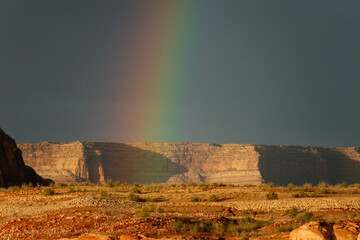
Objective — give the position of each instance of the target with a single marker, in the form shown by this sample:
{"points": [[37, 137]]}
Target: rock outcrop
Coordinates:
{"points": [[13, 170], [346, 230], [313, 231], [185, 162]]}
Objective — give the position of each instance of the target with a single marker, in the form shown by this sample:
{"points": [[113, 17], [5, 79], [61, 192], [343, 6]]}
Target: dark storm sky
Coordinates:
{"points": [[269, 72]]}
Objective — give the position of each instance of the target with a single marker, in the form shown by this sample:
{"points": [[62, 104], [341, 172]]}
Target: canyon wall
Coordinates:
{"points": [[186, 162], [13, 170]]}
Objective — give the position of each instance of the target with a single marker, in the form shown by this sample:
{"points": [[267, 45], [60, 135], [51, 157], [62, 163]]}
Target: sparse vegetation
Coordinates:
{"points": [[60, 184], [134, 198], [300, 194], [213, 198], [352, 215], [143, 212], [48, 192], [287, 228], [103, 193], [292, 212], [271, 195], [307, 187], [71, 189], [195, 199], [135, 190], [231, 227], [307, 217]]}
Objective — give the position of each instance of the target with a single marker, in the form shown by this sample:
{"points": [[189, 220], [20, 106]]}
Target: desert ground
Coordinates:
{"points": [[177, 211]]}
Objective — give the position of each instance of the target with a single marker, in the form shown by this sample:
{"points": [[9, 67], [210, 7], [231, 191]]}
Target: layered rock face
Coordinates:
{"points": [[13, 170], [185, 162]]}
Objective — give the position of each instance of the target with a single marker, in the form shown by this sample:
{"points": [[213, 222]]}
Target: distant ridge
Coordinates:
{"points": [[146, 162]]}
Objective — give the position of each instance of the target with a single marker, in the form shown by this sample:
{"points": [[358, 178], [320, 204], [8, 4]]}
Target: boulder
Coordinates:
{"points": [[312, 231], [13, 170], [345, 231]]}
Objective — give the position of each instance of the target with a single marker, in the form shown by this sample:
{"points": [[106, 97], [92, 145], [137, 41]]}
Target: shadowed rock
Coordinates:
{"points": [[13, 171]]}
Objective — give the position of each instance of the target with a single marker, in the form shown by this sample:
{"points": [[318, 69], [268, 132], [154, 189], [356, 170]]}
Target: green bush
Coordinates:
{"points": [[352, 215], [213, 198], [271, 195], [135, 190], [287, 228], [176, 225], [325, 191], [195, 199], [134, 198], [300, 194], [103, 193], [60, 184], [292, 212], [323, 185], [307, 217], [49, 192], [71, 189], [144, 212], [344, 184], [307, 187], [233, 227], [203, 186], [110, 183], [13, 188]]}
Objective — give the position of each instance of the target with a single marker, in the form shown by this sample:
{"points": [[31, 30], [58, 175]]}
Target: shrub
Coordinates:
{"points": [[218, 228], [49, 192], [134, 198], [307, 217], [300, 194], [195, 199], [344, 184], [287, 228], [325, 191], [271, 195], [135, 190], [213, 198], [176, 225], [60, 184], [203, 186], [27, 186], [148, 199], [144, 212], [13, 188], [323, 185], [308, 187], [71, 189], [352, 215], [290, 187], [103, 193], [160, 210], [110, 183], [248, 224], [292, 212]]}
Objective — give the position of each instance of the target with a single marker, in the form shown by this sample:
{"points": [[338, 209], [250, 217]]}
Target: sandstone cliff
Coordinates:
{"points": [[13, 171], [185, 162]]}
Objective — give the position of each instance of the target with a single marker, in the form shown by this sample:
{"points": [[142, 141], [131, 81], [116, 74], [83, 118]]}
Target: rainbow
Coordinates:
{"points": [[155, 58]]}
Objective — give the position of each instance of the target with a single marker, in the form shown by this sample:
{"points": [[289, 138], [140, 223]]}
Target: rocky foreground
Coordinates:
{"points": [[114, 211], [192, 162]]}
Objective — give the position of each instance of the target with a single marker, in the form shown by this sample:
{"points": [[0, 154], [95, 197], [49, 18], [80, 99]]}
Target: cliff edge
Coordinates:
{"points": [[185, 162]]}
